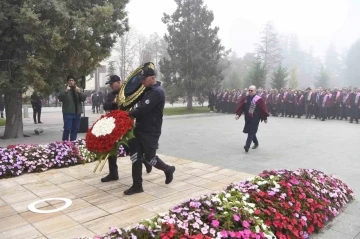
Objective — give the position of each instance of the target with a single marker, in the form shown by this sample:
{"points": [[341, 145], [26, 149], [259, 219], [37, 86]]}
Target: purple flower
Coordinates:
{"points": [[236, 218], [245, 224], [215, 223]]}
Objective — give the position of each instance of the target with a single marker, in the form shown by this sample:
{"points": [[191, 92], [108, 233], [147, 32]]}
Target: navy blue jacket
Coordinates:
{"points": [[149, 113]]}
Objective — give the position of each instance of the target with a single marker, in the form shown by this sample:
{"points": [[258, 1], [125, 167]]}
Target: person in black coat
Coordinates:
{"points": [[111, 104], [36, 105], [211, 101], [149, 117]]}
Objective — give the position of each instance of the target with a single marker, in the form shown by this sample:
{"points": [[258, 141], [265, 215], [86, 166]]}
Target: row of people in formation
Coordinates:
{"points": [[319, 103]]}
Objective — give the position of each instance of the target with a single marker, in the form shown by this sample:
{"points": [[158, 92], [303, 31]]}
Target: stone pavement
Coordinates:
{"points": [[98, 206], [217, 139]]}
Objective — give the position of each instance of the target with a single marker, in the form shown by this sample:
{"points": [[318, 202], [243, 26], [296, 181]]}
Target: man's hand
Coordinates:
{"points": [[67, 88], [237, 117], [265, 121], [77, 89]]}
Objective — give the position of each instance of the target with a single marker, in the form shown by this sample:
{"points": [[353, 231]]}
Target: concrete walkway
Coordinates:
{"points": [[216, 140]]}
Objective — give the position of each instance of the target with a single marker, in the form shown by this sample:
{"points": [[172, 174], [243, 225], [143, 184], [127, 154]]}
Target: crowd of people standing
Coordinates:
{"points": [[341, 104]]}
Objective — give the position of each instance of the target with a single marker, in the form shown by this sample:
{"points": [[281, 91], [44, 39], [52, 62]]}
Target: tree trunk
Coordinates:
{"points": [[189, 102], [14, 123]]}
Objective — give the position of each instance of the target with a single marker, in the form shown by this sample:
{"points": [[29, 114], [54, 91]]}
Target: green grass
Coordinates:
{"points": [[184, 111], [2, 122]]}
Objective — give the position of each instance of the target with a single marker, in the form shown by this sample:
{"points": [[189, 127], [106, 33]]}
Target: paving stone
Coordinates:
{"points": [[24, 232], [79, 231], [346, 228], [101, 225], [54, 224], [6, 211], [87, 214], [134, 214], [11, 222]]}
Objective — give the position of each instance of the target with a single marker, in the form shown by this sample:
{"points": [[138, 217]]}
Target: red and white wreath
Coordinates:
{"points": [[108, 130]]}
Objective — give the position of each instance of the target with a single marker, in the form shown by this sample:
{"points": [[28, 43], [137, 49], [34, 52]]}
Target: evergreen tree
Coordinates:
{"points": [[42, 41], [322, 78], [257, 75], [194, 50], [269, 49], [278, 78]]}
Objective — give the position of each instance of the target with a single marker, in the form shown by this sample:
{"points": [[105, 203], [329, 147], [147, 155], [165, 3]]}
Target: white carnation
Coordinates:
{"points": [[103, 127]]}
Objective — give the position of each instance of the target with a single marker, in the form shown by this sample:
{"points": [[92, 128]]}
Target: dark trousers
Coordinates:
{"points": [[308, 110], [71, 126], [343, 111], [354, 114], [113, 168], [317, 111], [144, 146], [37, 112], [335, 113], [251, 138], [324, 113]]}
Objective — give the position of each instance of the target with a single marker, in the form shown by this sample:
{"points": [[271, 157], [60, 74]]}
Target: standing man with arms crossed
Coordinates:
{"points": [[149, 117], [71, 99], [254, 109]]}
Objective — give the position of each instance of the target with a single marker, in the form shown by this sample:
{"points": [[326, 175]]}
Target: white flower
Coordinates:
{"points": [[104, 126]]}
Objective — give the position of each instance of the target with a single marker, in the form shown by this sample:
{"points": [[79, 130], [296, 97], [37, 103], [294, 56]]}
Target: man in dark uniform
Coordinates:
{"points": [[36, 105], [254, 109], [149, 117], [354, 106], [111, 104], [94, 102]]}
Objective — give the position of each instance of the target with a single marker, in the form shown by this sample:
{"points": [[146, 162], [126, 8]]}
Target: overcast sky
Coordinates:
{"points": [[316, 22]]}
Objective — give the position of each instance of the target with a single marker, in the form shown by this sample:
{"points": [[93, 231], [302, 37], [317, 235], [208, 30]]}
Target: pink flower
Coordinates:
{"points": [[215, 223], [232, 234], [236, 218], [245, 224], [247, 232], [224, 234]]}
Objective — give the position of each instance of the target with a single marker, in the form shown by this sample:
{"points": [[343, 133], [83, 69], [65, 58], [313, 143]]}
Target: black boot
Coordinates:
{"points": [[39, 121], [132, 190], [169, 174], [255, 146], [109, 178], [113, 170], [246, 149], [168, 170]]}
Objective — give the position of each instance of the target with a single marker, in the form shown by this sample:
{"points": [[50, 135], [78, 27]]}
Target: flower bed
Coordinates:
{"points": [[274, 204], [18, 159]]}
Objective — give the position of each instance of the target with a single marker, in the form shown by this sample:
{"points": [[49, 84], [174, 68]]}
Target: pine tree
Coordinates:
{"points": [[322, 78], [257, 75], [269, 49], [278, 78], [194, 50]]}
